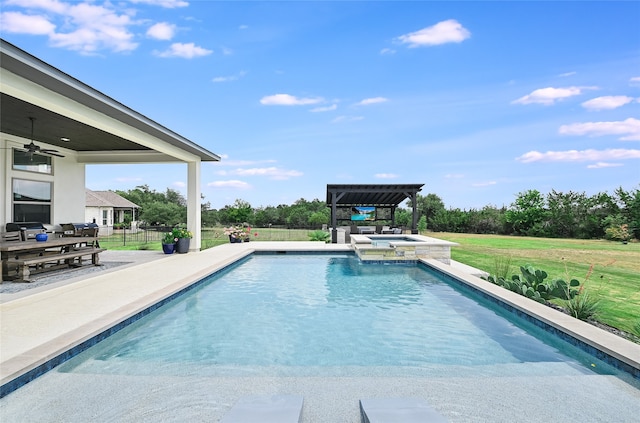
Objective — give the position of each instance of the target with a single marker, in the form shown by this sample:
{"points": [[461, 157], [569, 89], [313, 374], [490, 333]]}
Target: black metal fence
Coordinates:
{"points": [[150, 237]]}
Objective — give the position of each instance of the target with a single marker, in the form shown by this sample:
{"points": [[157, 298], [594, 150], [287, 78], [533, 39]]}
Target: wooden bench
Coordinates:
{"points": [[51, 260]]}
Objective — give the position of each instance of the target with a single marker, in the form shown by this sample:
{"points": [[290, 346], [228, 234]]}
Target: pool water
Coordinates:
{"points": [[331, 314]]}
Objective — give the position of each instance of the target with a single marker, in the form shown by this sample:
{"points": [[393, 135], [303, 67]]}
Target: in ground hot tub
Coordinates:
{"points": [[401, 248]]}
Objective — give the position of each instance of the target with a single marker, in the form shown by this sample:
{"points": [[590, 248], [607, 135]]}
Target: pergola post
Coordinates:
{"points": [[414, 220], [334, 219]]}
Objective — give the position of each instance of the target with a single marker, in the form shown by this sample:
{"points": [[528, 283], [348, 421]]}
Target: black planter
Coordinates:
{"points": [[168, 248], [182, 246]]}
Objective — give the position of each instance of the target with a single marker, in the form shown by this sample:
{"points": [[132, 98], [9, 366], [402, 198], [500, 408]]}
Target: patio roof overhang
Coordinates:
{"points": [[100, 129], [376, 195]]}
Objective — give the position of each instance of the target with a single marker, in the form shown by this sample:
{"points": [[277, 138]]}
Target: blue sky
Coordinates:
{"points": [[477, 100]]}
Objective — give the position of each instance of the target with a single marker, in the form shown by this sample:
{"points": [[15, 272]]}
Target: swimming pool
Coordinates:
{"points": [[100, 385], [319, 315]]}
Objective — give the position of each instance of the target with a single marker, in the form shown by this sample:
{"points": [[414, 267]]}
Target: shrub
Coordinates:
{"points": [[502, 266], [618, 232], [583, 306], [531, 284], [319, 236]]}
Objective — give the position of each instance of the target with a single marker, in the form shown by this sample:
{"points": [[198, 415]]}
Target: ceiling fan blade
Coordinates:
{"points": [[54, 154]]}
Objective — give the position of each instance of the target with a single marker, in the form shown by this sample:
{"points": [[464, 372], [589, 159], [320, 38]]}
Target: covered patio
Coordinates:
{"points": [[81, 126], [386, 197]]}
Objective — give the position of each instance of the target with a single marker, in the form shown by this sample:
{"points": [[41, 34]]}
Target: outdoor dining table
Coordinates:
{"points": [[11, 251]]}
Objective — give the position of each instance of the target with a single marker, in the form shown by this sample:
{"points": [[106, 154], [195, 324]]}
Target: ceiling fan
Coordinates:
{"points": [[33, 148]]}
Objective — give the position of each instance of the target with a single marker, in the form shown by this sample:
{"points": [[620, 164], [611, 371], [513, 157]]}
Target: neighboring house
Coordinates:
{"points": [[107, 208], [43, 160]]}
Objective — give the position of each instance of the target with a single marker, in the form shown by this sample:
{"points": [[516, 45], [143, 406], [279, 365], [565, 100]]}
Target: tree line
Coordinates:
{"points": [[555, 214]]}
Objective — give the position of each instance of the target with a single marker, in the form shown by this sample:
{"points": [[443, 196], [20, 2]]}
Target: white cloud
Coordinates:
{"points": [[483, 184], [607, 102], [386, 176], [186, 51], [450, 31], [167, 4], [387, 51], [243, 27], [179, 184], [602, 165], [629, 129], [48, 5], [634, 79], [564, 75], [324, 109], [579, 156], [270, 172], [288, 100], [229, 78], [89, 27], [235, 184], [454, 175], [18, 23], [162, 31], [549, 95], [374, 100], [347, 119]]}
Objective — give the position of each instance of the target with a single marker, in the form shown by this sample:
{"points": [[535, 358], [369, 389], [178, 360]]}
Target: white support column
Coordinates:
{"points": [[194, 218]]}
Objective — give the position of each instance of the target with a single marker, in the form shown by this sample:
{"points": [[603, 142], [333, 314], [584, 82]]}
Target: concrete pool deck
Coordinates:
{"points": [[35, 327]]}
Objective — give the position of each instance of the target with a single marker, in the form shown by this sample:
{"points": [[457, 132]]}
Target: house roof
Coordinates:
{"points": [[387, 195], [107, 199], [64, 107]]}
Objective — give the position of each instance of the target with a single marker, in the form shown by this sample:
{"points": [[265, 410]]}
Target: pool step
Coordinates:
{"points": [[266, 409], [394, 410]]}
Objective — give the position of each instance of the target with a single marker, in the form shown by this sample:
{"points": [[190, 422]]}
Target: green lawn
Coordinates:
{"points": [[614, 267]]}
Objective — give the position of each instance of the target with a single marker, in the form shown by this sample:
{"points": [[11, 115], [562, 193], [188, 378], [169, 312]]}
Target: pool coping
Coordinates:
{"points": [[42, 330], [615, 346]]}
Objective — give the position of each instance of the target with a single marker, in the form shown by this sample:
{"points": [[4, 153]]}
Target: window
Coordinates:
{"points": [[31, 162], [31, 201], [105, 217]]}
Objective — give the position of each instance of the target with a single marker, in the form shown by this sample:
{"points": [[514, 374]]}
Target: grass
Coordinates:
{"points": [[613, 267]]}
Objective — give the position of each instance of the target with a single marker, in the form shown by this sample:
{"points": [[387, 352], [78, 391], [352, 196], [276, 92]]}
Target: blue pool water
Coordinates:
{"points": [[308, 314]]}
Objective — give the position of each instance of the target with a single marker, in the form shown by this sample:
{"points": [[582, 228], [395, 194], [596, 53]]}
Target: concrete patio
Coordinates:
{"points": [[43, 322]]}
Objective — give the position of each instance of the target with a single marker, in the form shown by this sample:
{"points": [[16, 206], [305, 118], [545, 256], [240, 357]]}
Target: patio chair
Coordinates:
{"points": [[11, 236]]}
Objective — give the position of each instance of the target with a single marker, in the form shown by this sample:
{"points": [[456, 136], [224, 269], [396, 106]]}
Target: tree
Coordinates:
{"points": [[162, 213], [630, 209], [428, 206], [267, 216], [403, 217], [320, 218], [239, 212], [527, 214], [173, 196], [422, 223]]}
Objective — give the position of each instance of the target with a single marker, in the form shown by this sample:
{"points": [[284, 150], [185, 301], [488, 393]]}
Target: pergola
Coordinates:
{"points": [[374, 195]]}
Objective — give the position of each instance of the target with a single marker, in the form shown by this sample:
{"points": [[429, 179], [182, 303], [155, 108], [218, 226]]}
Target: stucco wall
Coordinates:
{"points": [[68, 178]]}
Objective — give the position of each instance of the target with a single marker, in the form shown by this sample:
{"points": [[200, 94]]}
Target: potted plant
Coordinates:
{"points": [[183, 240], [169, 243], [235, 234]]}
